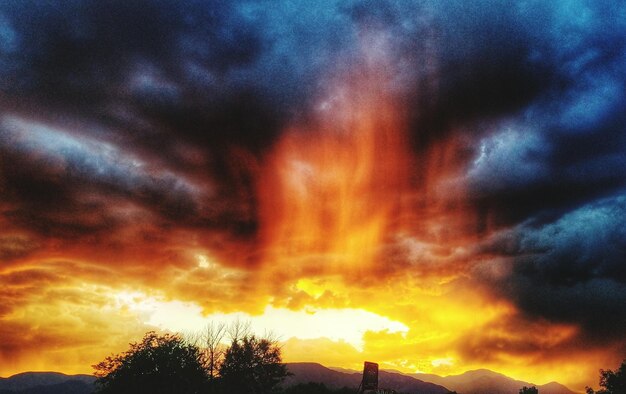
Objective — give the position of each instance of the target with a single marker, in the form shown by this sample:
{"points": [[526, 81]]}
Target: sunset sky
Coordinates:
{"points": [[436, 186]]}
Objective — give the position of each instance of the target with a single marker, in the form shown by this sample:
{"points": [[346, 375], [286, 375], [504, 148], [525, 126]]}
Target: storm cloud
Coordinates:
{"points": [[152, 122]]}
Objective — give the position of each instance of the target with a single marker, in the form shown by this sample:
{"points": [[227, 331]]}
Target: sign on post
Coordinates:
{"points": [[370, 376]]}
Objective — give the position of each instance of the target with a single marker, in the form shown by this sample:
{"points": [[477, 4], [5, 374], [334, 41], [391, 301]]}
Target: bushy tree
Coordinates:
{"points": [[164, 364], [529, 390], [159, 364], [252, 366], [612, 382]]}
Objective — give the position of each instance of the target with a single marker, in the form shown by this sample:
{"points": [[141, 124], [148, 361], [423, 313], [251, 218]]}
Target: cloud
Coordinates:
{"points": [[457, 150], [15, 246], [570, 270], [574, 117], [50, 306]]}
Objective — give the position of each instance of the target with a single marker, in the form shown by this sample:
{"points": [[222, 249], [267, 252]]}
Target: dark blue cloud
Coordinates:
{"points": [[554, 169], [576, 116], [538, 86], [571, 270]]}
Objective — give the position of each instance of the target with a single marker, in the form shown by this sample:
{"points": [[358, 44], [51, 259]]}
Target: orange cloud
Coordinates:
{"points": [[341, 214]]}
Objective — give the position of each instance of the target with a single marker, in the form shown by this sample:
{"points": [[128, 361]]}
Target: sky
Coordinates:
{"points": [[436, 186]]}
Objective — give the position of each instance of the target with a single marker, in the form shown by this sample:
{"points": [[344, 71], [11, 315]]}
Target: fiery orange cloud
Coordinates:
{"points": [[342, 214], [333, 194]]}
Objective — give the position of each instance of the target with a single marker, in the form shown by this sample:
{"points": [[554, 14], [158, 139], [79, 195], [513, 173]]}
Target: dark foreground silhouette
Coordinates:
{"points": [[306, 378], [169, 364]]}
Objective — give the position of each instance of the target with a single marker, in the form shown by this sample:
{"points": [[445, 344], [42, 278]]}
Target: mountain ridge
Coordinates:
{"points": [[47, 383], [315, 372], [485, 381], [479, 381]]}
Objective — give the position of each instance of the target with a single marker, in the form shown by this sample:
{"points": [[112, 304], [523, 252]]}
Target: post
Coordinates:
{"points": [[370, 377]]}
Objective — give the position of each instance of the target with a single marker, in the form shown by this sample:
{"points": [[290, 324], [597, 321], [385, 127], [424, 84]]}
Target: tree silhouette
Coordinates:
{"points": [[209, 341], [164, 364], [528, 390], [613, 382], [252, 365], [159, 364]]}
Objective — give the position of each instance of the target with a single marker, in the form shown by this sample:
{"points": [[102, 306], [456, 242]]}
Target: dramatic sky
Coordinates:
{"points": [[436, 186]]}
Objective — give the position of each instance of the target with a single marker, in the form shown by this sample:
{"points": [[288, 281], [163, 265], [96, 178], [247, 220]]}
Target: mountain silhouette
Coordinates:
{"points": [[484, 381], [481, 381], [313, 372], [47, 383]]}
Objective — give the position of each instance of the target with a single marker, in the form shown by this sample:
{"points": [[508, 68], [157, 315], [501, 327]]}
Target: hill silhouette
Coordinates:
{"points": [[484, 381], [313, 372], [480, 381], [47, 383]]}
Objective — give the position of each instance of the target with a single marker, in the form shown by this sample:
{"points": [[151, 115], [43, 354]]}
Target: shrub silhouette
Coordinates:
{"points": [[252, 365], [167, 364], [159, 364], [529, 390], [612, 382]]}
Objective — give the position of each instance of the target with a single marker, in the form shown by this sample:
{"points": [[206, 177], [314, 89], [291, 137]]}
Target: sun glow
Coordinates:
{"points": [[347, 324]]}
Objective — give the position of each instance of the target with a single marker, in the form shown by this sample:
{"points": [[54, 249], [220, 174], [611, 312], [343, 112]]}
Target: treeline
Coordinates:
{"points": [[200, 363]]}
